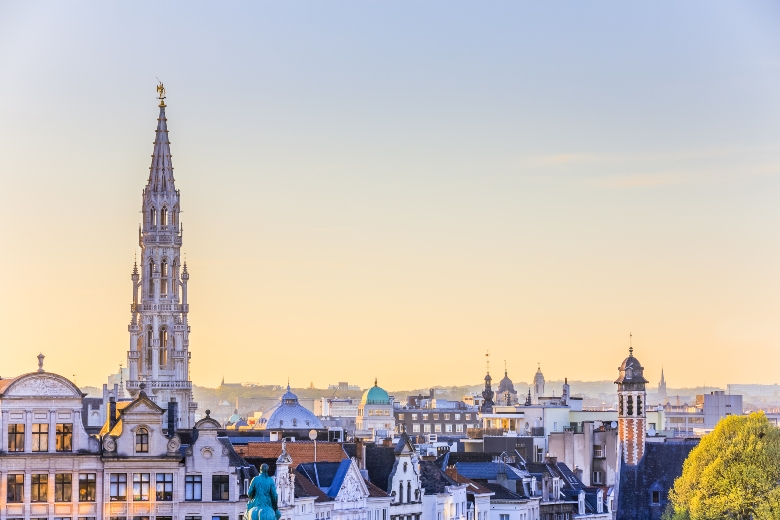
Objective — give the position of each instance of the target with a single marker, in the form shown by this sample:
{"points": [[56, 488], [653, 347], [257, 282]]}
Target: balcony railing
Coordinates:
{"points": [[134, 385]]}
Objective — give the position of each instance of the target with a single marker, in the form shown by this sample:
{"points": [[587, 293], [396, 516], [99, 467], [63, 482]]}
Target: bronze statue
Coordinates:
{"points": [[263, 500]]}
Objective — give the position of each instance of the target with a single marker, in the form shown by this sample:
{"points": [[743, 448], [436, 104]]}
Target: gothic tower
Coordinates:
{"points": [[662, 389], [159, 332], [631, 409], [538, 384]]}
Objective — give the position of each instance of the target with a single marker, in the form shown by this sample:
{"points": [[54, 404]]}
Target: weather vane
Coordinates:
{"points": [[161, 92]]}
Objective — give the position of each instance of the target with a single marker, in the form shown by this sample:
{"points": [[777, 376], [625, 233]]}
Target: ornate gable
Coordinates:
{"points": [[353, 488], [42, 385]]}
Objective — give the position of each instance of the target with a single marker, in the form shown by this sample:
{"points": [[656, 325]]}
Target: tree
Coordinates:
{"points": [[734, 473]]}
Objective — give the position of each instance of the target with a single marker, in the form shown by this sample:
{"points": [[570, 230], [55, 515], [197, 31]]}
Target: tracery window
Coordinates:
{"points": [[164, 217]]}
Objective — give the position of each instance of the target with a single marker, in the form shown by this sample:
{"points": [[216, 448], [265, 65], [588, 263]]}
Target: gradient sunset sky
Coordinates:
{"points": [[389, 189]]}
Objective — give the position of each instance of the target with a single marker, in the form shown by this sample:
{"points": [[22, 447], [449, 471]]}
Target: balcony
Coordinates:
{"points": [[154, 385]]}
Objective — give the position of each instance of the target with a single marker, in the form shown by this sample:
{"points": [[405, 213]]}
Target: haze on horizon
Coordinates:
{"points": [[391, 189]]}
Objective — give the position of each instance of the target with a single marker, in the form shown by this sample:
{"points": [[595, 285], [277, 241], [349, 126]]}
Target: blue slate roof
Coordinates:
{"points": [[486, 470], [661, 464], [328, 476]]}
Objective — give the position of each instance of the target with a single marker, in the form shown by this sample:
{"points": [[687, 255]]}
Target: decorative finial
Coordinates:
{"points": [[142, 387], [208, 413], [376, 381], [40, 362], [161, 93], [505, 373], [630, 345], [487, 357]]}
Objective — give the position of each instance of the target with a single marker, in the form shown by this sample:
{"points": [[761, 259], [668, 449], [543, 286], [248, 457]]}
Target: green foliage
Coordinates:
{"points": [[734, 473]]}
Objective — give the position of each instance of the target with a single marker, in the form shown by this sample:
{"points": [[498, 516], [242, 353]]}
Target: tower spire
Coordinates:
{"points": [[161, 170]]}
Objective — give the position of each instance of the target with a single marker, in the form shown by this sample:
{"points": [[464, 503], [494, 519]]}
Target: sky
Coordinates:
{"points": [[392, 189]]}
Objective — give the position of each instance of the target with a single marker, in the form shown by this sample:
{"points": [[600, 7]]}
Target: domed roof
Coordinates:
{"points": [[375, 395], [631, 370], [506, 385], [289, 415]]}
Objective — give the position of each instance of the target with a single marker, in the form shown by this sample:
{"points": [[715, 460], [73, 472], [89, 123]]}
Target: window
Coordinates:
{"points": [[142, 441], [370, 412], [446, 417], [164, 216], [86, 487], [468, 416], [39, 487], [64, 437], [448, 428], [15, 488], [118, 487], [655, 497], [639, 405], [40, 437], [164, 487], [63, 486], [459, 428], [220, 487], [457, 417], [504, 517], [597, 477], [16, 437], [435, 417], [140, 487], [427, 428], [416, 428], [414, 416], [437, 428], [630, 405], [598, 451], [193, 487], [400, 417], [192, 518]]}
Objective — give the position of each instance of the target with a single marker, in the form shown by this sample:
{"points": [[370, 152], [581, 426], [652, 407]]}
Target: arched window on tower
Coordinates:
{"points": [[153, 217], [630, 405], [149, 348], [163, 358], [164, 275], [175, 280], [174, 215], [150, 285], [164, 217], [639, 405]]}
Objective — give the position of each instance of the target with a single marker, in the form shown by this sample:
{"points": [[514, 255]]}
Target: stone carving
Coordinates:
{"points": [[40, 384], [352, 489], [174, 443], [109, 444]]}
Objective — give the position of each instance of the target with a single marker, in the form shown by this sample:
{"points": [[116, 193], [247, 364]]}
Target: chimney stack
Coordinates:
{"points": [[172, 406], [111, 413]]}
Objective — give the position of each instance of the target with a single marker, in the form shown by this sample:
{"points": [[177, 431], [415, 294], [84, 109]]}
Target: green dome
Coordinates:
{"points": [[375, 395]]}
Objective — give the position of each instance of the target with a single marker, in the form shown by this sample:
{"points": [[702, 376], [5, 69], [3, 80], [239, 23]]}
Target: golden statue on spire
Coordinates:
{"points": [[161, 93]]}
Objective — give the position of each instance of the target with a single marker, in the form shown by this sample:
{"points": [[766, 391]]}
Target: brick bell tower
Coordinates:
{"points": [[632, 400]]}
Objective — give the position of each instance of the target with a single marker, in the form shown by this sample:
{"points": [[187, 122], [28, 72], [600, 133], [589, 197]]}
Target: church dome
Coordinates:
{"points": [[375, 395], [506, 385], [289, 415], [631, 370]]}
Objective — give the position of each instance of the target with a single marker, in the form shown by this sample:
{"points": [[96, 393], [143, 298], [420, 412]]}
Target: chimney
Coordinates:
{"points": [[172, 405], [452, 472], [111, 413], [360, 453], [549, 459]]}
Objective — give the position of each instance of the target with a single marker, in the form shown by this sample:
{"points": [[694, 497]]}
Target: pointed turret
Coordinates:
{"points": [[161, 170]]}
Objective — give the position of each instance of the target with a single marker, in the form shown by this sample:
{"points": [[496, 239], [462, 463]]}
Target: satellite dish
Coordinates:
{"points": [[313, 435], [614, 425]]}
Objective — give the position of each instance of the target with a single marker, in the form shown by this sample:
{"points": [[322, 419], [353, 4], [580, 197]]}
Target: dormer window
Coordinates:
{"points": [[142, 440]]}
